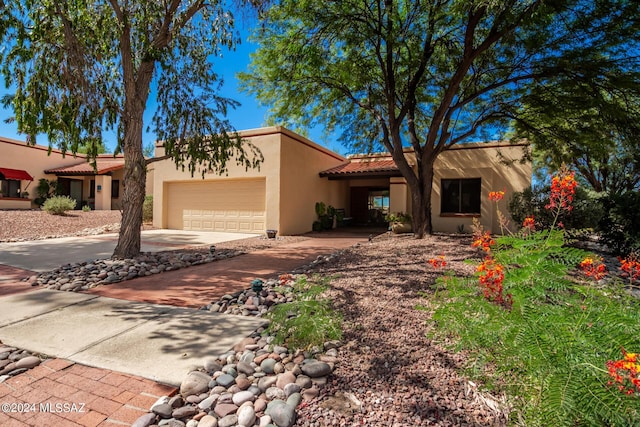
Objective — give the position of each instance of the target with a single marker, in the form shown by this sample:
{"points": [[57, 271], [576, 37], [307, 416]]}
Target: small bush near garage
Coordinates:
{"points": [[58, 205], [147, 209]]}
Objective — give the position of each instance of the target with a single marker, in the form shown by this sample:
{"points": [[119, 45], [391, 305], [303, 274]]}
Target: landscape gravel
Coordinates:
{"points": [[23, 225], [384, 372]]}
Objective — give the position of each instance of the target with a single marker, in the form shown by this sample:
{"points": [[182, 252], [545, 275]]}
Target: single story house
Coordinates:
{"points": [[22, 165], [296, 173]]}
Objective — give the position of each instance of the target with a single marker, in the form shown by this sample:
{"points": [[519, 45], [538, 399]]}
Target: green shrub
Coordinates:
{"points": [[46, 189], [619, 225], [58, 205], [147, 209], [86, 208], [398, 217], [548, 353], [308, 320], [586, 214]]}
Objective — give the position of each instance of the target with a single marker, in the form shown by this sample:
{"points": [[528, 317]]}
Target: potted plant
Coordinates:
{"points": [[271, 234], [399, 222], [327, 220]]}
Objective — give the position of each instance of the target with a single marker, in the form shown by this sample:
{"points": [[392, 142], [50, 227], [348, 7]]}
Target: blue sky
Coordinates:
{"points": [[249, 115]]}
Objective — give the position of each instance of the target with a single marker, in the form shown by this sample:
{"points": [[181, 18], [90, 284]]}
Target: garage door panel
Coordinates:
{"points": [[222, 205]]}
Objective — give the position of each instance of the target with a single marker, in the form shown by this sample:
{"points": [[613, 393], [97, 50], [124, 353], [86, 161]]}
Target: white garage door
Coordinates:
{"points": [[220, 205]]}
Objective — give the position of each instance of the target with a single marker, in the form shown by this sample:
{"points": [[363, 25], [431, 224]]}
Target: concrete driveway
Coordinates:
{"points": [[45, 255]]}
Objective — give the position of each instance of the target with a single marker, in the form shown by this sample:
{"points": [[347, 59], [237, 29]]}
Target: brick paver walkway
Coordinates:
{"points": [[59, 393], [199, 285], [11, 280]]}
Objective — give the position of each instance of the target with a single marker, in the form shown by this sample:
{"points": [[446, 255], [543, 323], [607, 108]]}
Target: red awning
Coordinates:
{"points": [[16, 174]]}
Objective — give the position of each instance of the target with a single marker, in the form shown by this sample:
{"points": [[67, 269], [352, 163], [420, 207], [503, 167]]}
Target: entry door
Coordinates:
{"points": [[75, 192], [360, 205]]}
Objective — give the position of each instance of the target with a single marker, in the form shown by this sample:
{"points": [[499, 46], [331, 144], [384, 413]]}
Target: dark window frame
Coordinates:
{"points": [[115, 189], [460, 196], [11, 187]]}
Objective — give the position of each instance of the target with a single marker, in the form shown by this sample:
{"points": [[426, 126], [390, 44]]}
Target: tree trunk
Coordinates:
{"points": [[421, 201], [135, 176]]}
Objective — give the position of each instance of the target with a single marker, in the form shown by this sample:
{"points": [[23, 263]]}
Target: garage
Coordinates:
{"points": [[231, 205]]}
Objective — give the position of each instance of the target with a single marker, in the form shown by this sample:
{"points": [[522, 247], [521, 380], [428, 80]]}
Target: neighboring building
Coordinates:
{"points": [[22, 165], [297, 173]]}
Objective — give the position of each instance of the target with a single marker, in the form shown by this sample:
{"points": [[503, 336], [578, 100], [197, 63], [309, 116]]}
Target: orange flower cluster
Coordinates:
{"points": [[631, 268], [625, 372], [593, 268], [438, 262], [484, 242], [529, 223], [285, 279], [563, 188], [491, 278], [496, 196]]}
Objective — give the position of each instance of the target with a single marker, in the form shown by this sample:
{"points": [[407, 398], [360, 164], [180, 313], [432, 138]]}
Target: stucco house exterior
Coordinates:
{"points": [[22, 165], [297, 173]]}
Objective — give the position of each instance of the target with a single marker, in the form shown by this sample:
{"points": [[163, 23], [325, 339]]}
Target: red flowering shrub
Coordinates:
{"points": [[626, 373], [438, 262], [593, 267], [630, 267]]}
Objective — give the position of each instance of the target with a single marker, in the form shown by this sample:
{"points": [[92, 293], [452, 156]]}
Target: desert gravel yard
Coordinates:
{"points": [[19, 225], [388, 373]]}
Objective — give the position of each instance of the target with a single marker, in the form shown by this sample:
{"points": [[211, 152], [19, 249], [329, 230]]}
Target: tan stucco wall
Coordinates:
{"points": [[483, 161], [35, 160], [399, 196], [291, 166], [301, 186], [268, 143]]}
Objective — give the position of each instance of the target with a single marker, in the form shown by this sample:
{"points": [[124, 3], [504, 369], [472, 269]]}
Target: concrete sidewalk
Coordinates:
{"points": [[157, 342]]}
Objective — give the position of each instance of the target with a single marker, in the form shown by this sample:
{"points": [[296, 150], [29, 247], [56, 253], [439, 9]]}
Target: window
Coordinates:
{"points": [[10, 188], [379, 200], [460, 196], [115, 189]]}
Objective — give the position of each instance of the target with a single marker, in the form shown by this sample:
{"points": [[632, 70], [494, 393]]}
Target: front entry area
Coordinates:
{"points": [[369, 205]]}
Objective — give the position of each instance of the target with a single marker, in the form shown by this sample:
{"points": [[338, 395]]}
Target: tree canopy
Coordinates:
{"points": [[427, 74], [594, 126], [85, 66]]}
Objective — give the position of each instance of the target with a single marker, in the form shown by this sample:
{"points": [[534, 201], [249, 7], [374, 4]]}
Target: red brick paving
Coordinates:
{"points": [[85, 396], [199, 285], [11, 280]]}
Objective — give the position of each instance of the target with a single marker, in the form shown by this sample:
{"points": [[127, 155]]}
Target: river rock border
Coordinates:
{"points": [[86, 275], [256, 383], [15, 361]]}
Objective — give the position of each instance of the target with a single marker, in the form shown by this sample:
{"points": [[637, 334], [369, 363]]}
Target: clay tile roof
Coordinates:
{"points": [[104, 165], [363, 167]]}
